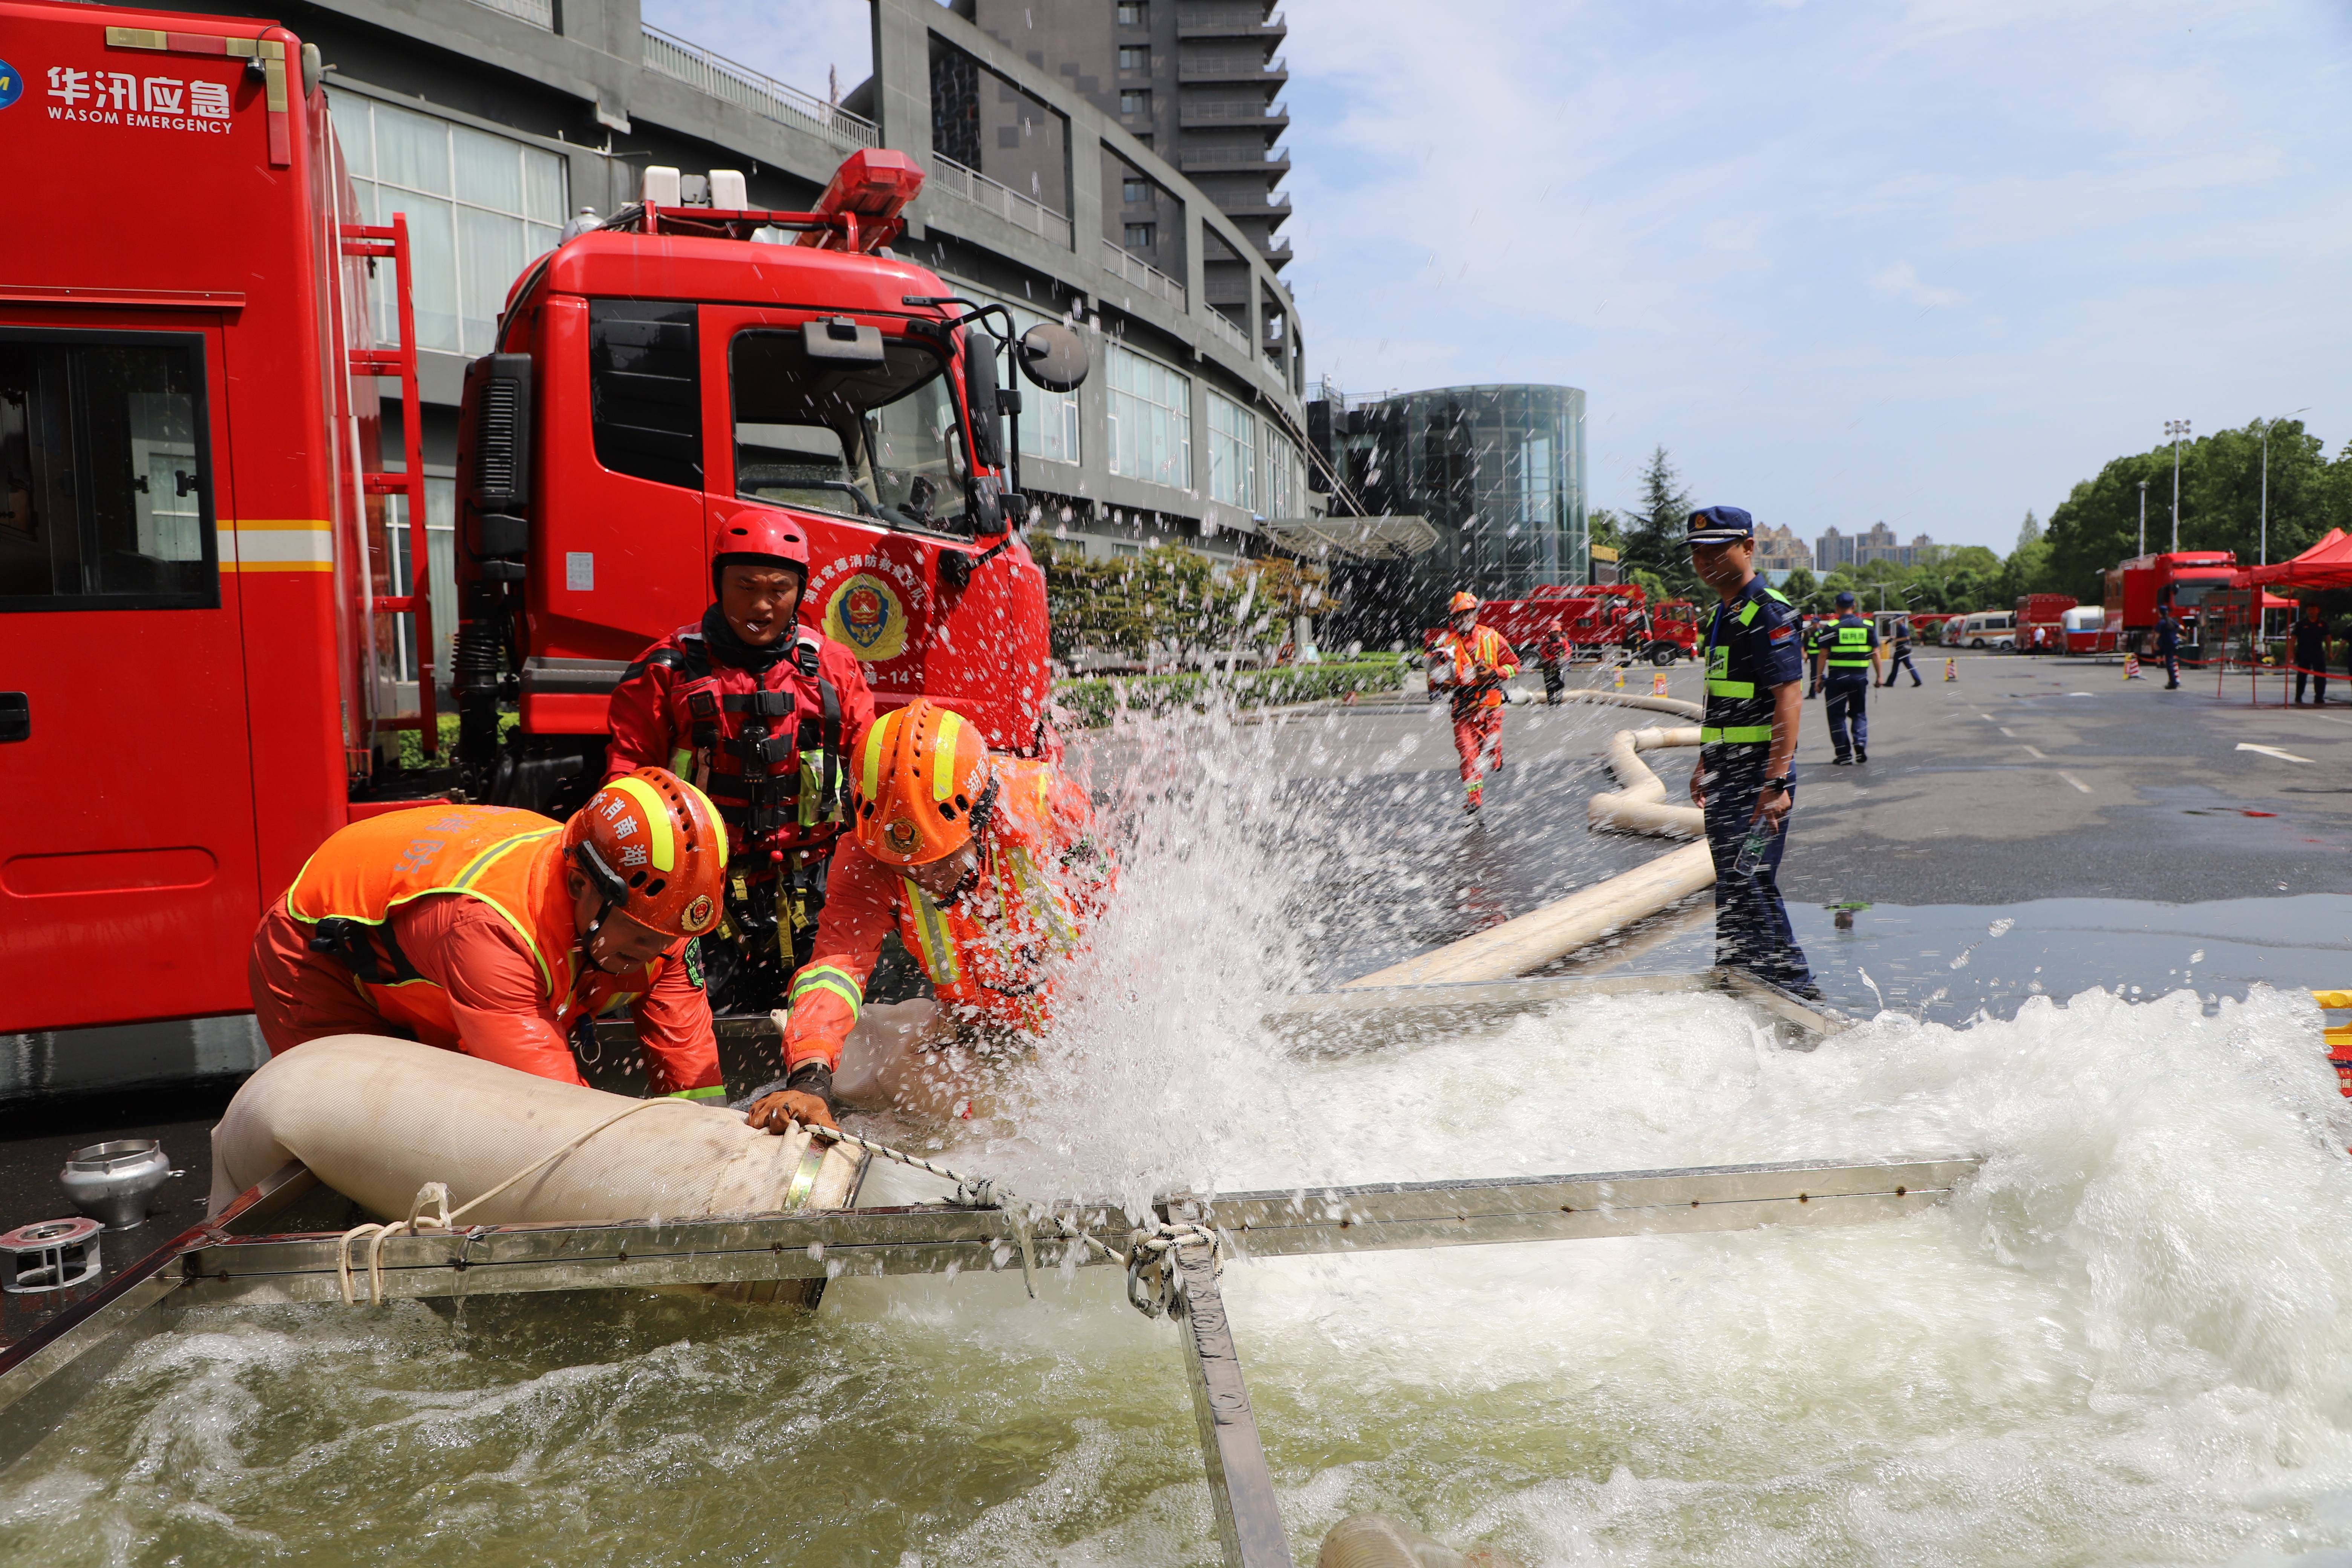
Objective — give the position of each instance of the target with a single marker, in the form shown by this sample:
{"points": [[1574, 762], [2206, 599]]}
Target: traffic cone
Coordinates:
{"points": [[2131, 667], [1658, 684], [1621, 677], [1951, 669]]}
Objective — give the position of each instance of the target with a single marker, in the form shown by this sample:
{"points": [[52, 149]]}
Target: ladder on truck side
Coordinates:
{"points": [[398, 363]]}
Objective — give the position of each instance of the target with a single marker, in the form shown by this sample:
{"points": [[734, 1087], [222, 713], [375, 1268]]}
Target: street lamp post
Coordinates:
{"points": [[2143, 517], [2267, 482], [2175, 428]]}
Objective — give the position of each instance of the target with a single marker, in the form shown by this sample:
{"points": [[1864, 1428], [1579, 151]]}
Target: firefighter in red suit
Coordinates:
{"points": [[494, 932], [1473, 662], [761, 713]]}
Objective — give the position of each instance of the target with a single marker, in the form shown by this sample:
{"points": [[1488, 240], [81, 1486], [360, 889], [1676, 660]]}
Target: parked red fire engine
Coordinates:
{"points": [[2040, 624], [193, 541], [1595, 618], [2181, 578]]}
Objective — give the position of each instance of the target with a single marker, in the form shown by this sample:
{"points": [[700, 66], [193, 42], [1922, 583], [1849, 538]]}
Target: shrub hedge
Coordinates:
{"points": [[1090, 704]]}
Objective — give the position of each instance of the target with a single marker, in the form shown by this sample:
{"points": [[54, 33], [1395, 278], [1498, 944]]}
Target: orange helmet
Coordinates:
{"points": [[655, 848], [922, 785], [1464, 600]]}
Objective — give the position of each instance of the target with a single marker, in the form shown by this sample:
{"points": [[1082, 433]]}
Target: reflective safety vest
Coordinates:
{"points": [[991, 951], [511, 860], [1848, 646], [1485, 645], [1738, 712]]}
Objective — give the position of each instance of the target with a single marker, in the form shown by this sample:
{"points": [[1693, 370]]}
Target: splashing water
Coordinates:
{"points": [[2129, 1340]]}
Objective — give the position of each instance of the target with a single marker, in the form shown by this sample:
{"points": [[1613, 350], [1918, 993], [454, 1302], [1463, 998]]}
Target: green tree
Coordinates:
{"points": [[1605, 526], [1799, 588], [1655, 540], [2029, 531], [2097, 525]]}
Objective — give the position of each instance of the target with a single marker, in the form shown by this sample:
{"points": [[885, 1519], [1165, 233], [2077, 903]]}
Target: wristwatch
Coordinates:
{"points": [[1784, 784]]}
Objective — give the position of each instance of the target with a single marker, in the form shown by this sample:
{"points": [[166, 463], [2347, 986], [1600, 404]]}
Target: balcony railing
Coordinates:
{"points": [[1229, 67], [1142, 274], [1228, 22], [747, 88], [539, 14], [1022, 211], [1195, 112], [1232, 157], [1236, 339]]}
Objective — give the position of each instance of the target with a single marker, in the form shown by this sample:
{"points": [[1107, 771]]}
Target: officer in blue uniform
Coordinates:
{"points": [[1746, 776], [1846, 669]]}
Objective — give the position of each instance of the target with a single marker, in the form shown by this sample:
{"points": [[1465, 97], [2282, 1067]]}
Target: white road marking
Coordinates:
{"points": [[2071, 779], [2007, 732], [2272, 751], [2032, 753], [2327, 719]]}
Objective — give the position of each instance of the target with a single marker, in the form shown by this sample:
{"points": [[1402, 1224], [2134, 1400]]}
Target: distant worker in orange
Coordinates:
{"points": [[495, 932], [984, 865], [1473, 662]]}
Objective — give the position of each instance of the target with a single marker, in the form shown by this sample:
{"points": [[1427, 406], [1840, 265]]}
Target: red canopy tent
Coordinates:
{"points": [[2326, 564]]}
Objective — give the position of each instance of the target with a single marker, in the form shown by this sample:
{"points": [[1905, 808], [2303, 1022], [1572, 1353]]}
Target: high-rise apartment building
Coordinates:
{"points": [[1196, 81], [1780, 551], [1834, 549]]}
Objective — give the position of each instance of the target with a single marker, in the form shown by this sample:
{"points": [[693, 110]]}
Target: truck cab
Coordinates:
{"points": [[680, 365]]}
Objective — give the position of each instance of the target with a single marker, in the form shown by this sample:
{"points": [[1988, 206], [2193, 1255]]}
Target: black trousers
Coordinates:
{"points": [[2316, 675], [1902, 661], [1751, 923], [1552, 680]]}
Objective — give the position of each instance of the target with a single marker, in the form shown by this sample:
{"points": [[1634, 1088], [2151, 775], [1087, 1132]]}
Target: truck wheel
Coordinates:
{"points": [[1663, 655]]}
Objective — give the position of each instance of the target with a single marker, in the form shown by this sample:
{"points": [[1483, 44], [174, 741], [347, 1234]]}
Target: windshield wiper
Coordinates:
{"points": [[759, 474]]}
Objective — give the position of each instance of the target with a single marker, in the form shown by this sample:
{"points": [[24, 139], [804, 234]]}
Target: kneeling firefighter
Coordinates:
{"points": [[984, 865], [493, 932], [761, 713]]}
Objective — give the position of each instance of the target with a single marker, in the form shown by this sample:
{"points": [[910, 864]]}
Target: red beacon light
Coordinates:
{"points": [[859, 212]]}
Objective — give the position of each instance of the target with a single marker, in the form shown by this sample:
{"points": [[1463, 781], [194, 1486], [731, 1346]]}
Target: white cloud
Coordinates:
{"points": [[1901, 281]]}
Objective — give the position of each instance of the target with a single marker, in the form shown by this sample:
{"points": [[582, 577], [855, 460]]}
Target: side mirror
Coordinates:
{"points": [[979, 396], [1052, 356]]}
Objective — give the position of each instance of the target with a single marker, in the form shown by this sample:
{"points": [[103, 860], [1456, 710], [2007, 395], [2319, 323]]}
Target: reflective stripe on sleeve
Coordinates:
{"points": [[832, 978], [716, 1091], [931, 935]]}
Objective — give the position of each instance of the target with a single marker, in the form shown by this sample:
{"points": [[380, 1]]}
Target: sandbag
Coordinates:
{"points": [[376, 1118]]}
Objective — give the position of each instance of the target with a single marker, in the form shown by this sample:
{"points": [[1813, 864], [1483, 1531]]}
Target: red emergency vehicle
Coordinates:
{"points": [[201, 628], [2181, 578], [1593, 617], [2041, 622]]}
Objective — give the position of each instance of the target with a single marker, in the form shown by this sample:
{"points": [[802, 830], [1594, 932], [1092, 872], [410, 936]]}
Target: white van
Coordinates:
{"points": [[1986, 629]]}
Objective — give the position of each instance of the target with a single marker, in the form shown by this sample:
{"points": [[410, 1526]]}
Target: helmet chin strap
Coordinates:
{"points": [[612, 889]]}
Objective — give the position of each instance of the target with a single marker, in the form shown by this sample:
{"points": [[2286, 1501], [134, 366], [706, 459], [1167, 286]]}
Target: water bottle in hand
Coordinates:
{"points": [[1752, 849]]}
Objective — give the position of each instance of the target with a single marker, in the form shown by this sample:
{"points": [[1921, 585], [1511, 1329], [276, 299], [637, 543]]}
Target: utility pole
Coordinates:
{"points": [[2175, 428], [2266, 484], [2143, 517]]}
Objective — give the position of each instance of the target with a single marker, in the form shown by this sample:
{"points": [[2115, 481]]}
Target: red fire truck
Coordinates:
{"points": [[1595, 618], [201, 632], [2041, 622], [2179, 578]]}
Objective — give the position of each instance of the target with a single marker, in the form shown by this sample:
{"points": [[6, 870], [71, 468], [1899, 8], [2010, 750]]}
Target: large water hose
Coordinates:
{"points": [[1376, 1540], [1535, 939]]}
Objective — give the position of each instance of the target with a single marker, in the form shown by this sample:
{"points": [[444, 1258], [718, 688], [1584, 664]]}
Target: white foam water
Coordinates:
{"points": [[2128, 1341]]}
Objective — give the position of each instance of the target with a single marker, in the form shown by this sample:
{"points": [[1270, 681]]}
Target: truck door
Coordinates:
{"points": [[128, 888]]}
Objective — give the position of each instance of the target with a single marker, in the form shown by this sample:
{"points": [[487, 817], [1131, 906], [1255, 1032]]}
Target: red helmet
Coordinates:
{"points": [[755, 536], [656, 849], [923, 783], [1465, 600]]}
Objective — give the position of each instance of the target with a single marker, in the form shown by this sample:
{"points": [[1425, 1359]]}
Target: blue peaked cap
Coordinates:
{"points": [[1845, 601], [1721, 525]]}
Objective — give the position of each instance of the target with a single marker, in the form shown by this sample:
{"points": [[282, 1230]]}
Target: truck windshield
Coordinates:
{"points": [[2191, 592], [874, 440]]}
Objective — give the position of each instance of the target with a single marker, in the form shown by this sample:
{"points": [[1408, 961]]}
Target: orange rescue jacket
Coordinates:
{"points": [[511, 860], [990, 953]]}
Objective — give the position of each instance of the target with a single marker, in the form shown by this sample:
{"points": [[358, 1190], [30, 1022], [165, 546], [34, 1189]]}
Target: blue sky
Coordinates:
{"points": [[1929, 261]]}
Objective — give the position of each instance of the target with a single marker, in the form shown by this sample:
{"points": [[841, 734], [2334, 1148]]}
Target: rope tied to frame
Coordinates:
{"points": [[1150, 1260]]}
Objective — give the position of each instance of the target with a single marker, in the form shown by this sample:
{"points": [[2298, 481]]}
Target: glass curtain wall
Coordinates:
{"points": [[1150, 419], [479, 207], [1280, 494], [1233, 453], [1049, 420]]}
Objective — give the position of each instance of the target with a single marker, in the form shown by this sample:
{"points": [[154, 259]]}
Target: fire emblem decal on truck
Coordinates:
{"points": [[865, 609]]}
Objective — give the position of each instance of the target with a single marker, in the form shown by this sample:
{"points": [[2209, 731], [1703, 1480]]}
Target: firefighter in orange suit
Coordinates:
{"points": [[1473, 662], [984, 866], [761, 713], [493, 932]]}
